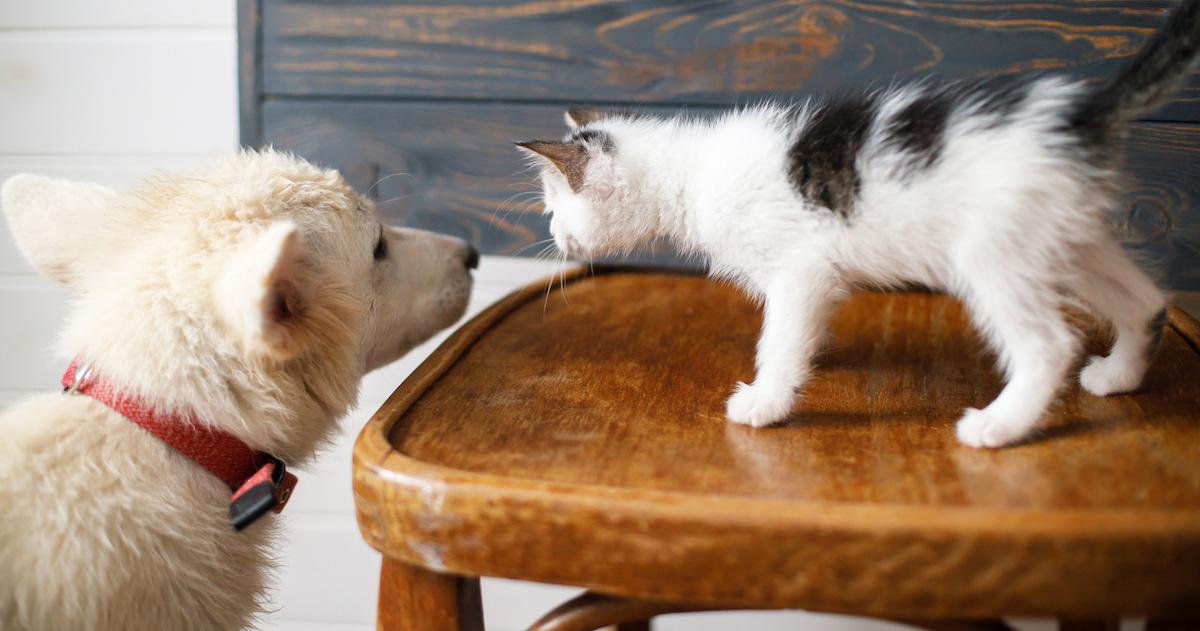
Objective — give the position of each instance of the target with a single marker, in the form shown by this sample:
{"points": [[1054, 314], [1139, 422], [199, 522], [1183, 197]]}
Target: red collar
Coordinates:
{"points": [[259, 481]]}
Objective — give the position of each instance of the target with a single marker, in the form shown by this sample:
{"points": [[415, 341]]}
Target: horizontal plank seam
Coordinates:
{"points": [[91, 28], [715, 105], [92, 154]]}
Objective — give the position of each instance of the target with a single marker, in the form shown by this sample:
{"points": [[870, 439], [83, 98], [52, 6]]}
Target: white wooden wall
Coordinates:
{"points": [[110, 91]]}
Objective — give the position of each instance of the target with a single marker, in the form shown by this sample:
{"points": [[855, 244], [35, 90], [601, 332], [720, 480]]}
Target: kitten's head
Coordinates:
{"points": [[587, 189]]}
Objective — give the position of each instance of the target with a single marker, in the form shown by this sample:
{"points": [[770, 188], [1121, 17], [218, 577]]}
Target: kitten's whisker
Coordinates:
{"points": [[546, 299], [544, 252], [383, 179], [562, 280], [508, 206], [501, 206], [531, 245], [399, 197]]}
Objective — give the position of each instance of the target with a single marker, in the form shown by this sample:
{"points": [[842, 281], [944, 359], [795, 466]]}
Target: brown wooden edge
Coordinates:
{"points": [[380, 470], [250, 75], [1186, 326]]}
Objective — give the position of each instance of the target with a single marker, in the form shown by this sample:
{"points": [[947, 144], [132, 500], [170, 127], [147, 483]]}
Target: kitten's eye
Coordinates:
{"points": [[381, 248]]}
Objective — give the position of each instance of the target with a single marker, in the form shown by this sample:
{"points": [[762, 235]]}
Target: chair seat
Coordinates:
{"points": [[579, 438]]}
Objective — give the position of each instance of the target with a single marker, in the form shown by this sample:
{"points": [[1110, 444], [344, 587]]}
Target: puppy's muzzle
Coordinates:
{"points": [[472, 257]]}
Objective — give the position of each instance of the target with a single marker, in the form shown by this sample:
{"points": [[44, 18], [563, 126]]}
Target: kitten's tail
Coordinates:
{"points": [[1149, 80]]}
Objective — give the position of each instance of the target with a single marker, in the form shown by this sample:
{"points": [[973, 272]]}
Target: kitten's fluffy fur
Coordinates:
{"points": [[996, 194]]}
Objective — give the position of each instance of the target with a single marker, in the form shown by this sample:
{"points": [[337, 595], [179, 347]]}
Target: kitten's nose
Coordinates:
{"points": [[472, 260]]}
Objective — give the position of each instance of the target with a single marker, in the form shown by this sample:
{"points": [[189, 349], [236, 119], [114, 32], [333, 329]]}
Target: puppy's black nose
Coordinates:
{"points": [[472, 260]]}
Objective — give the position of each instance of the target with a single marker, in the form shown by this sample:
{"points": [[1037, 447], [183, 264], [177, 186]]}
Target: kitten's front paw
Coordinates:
{"points": [[1106, 375], [978, 428], [758, 406]]}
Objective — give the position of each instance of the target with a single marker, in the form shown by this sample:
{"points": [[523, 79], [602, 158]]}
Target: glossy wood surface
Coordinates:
{"points": [[580, 439]]}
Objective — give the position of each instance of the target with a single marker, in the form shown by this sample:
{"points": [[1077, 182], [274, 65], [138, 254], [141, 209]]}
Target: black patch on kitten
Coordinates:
{"points": [[919, 128], [1155, 329], [821, 161], [593, 137], [999, 97]]}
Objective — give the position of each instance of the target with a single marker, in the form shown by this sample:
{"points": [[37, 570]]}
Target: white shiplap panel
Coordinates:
{"points": [[31, 312], [11, 263], [119, 92], [10, 397], [327, 572], [329, 576], [116, 171], [514, 605], [512, 272], [90, 14]]}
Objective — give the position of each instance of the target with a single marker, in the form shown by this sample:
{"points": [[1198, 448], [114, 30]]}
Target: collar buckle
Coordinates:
{"points": [[269, 489], [79, 374]]}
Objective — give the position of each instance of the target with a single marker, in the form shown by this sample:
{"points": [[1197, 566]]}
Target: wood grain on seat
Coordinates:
{"points": [[579, 438]]}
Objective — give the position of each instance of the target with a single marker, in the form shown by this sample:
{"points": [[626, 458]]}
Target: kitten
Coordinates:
{"points": [[995, 194]]}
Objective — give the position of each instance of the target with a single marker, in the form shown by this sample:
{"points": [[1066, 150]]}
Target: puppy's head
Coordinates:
{"points": [[260, 282]]}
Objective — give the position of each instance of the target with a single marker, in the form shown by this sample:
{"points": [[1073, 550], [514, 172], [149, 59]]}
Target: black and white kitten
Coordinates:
{"points": [[997, 195]]}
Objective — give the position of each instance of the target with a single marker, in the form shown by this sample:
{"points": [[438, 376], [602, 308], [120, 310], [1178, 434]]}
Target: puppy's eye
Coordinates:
{"points": [[381, 248]]}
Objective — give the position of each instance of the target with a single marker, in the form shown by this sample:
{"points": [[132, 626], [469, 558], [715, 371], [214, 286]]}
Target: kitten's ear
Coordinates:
{"points": [[577, 117], [569, 158]]}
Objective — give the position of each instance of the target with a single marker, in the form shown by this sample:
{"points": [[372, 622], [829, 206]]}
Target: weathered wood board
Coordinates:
{"points": [[649, 51]]}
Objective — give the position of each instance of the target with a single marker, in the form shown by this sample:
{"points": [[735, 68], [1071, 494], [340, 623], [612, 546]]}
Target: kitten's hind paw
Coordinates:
{"points": [[979, 428], [759, 406], [1107, 375]]}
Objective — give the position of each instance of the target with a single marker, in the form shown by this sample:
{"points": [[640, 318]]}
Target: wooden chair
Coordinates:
{"points": [[580, 439]]}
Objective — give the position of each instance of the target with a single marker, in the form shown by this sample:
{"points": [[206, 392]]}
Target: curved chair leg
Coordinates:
{"points": [[589, 611], [415, 599]]}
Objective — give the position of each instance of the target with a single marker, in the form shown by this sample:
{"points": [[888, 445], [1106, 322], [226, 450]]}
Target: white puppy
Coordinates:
{"points": [[250, 297]]}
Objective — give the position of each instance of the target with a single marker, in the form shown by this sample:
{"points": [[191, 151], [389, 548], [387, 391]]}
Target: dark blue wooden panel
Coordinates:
{"points": [[714, 52]]}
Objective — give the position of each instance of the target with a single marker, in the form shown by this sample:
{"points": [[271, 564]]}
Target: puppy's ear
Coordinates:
{"points": [[260, 293], [577, 117], [55, 223], [569, 158]]}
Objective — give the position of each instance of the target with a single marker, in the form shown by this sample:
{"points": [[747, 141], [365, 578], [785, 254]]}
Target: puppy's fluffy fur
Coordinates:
{"points": [[997, 194], [253, 294]]}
